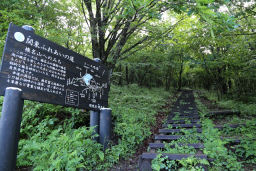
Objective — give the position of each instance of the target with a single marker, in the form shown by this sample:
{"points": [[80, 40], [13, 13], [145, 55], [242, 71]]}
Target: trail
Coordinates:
{"points": [[182, 129]]}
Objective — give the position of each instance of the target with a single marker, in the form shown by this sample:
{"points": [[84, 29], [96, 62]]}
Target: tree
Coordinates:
{"points": [[112, 22]]}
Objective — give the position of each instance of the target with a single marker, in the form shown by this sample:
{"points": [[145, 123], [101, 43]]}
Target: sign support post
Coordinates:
{"points": [[105, 126], [10, 127]]}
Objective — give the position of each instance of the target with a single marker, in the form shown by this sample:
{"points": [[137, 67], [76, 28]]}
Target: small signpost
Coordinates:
{"points": [[37, 69]]}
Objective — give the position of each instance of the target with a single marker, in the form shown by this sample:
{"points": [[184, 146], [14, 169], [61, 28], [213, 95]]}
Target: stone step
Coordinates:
{"points": [[184, 113], [151, 156], [162, 145], [174, 137], [229, 126], [188, 115], [183, 125], [167, 137], [223, 113], [185, 117], [166, 131], [231, 140], [182, 121]]}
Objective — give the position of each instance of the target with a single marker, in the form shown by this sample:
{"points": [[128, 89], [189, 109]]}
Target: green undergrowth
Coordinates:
{"points": [[190, 163], [222, 156], [246, 107], [215, 149], [246, 150], [190, 136], [174, 147], [134, 111], [225, 156], [57, 138]]}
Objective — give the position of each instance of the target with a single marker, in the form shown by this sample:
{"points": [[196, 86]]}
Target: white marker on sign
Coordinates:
{"points": [[19, 36], [87, 78]]}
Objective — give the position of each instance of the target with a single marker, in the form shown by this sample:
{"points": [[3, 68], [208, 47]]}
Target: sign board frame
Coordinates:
{"points": [[49, 73]]}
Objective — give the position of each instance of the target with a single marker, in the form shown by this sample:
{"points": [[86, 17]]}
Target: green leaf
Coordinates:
{"points": [[212, 34], [101, 155]]}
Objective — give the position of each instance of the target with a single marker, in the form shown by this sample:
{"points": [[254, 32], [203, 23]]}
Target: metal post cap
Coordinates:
{"points": [[28, 28], [13, 88], [105, 109]]}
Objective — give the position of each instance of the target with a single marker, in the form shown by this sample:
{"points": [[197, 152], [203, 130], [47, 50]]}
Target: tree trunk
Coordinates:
{"points": [[168, 80], [180, 77], [127, 74], [150, 77], [131, 76], [120, 78]]}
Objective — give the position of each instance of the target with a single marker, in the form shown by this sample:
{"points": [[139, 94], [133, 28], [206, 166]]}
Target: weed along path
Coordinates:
{"points": [[230, 134], [179, 142]]}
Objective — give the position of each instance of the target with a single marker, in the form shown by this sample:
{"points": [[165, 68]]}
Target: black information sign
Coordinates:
{"points": [[47, 72]]}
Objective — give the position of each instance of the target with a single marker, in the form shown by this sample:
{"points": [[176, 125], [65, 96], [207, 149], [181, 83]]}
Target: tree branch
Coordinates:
{"points": [[86, 19], [240, 34]]}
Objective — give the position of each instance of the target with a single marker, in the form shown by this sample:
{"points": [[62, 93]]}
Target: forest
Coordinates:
{"points": [[156, 50]]}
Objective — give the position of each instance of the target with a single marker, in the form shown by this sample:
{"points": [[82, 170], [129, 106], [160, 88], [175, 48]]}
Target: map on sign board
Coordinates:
{"points": [[47, 72]]}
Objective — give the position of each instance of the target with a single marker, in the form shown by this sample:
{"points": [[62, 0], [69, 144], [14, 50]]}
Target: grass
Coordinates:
{"points": [[215, 147], [239, 156], [247, 108]]}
